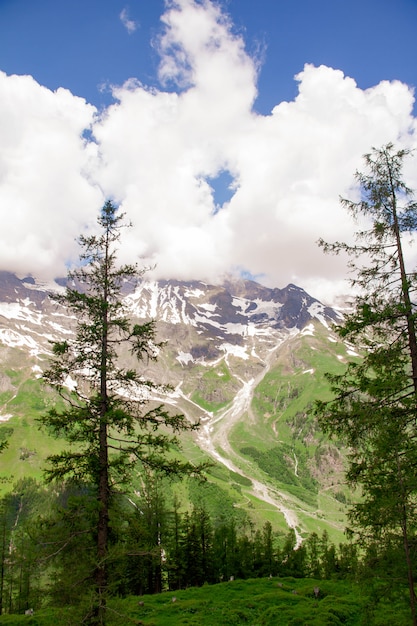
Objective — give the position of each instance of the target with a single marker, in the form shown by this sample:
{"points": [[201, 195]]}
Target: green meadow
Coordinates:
{"points": [[254, 602]]}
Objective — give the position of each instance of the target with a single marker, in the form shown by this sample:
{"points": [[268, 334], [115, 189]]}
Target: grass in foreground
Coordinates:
{"points": [[255, 602]]}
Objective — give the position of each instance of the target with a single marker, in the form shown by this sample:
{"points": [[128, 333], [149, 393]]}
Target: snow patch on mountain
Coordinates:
{"points": [[14, 340], [235, 329], [268, 307], [308, 330], [20, 311], [257, 306], [193, 293], [59, 328], [149, 300], [316, 309], [208, 307], [70, 383], [37, 371], [233, 350], [352, 352], [240, 303], [185, 357], [41, 285]]}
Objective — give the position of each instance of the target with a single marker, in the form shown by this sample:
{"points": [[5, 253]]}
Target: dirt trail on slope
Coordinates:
{"points": [[214, 435]]}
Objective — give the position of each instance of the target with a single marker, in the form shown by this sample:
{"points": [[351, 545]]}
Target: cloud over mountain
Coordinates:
{"points": [[158, 153]]}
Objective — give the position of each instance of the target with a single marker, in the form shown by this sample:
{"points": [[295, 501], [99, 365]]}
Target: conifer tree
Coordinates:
{"points": [[19, 553], [374, 410], [109, 421]]}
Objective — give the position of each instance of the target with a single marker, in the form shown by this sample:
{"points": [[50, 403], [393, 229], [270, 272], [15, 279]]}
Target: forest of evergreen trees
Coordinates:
{"points": [[47, 547]]}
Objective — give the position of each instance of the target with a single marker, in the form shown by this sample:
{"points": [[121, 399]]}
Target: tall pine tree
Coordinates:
{"points": [[374, 409], [109, 421]]}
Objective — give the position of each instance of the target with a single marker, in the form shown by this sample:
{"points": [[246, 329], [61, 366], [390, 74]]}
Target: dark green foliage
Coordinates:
{"points": [[67, 536], [107, 419], [196, 549], [153, 546], [375, 401], [278, 463], [105, 393], [145, 526], [5, 433], [241, 480], [218, 503], [20, 583]]}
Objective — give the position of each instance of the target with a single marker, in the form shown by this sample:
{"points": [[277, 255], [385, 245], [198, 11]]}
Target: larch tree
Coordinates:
{"points": [[374, 405], [109, 420]]}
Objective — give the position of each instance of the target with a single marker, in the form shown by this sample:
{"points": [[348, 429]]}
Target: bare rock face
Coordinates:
{"points": [[5, 383]]}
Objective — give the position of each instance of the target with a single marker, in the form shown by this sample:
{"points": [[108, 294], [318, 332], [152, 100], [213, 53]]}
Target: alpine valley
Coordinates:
{"points": [[244, 360]]}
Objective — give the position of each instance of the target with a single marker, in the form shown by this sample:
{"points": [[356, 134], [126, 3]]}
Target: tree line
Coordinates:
{"points": [[48, 547]]}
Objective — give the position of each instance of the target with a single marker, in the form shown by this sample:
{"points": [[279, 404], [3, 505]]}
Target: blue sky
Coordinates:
{"points": [[231, 156], [83, 44]]}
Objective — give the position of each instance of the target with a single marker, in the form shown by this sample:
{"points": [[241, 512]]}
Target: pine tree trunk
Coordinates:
{"points": [[411, 330], [103, 478], [2, 561], [102, 526], [409, 569]]}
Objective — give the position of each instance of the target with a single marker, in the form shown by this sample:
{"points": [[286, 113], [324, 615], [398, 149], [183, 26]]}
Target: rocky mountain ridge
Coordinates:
{"points": [[239, 314]]}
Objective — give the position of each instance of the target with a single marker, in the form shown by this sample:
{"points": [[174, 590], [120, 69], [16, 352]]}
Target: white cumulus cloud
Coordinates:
{"points": [[156, 151], [45, 194], [129, 24]]}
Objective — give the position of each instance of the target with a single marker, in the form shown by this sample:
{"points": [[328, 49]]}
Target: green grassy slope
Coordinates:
{"points": [[255, 602], [277, 441], [24, 398]]}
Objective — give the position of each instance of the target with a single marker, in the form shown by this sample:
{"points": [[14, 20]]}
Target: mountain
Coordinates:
{"points": [[245, 360]]}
